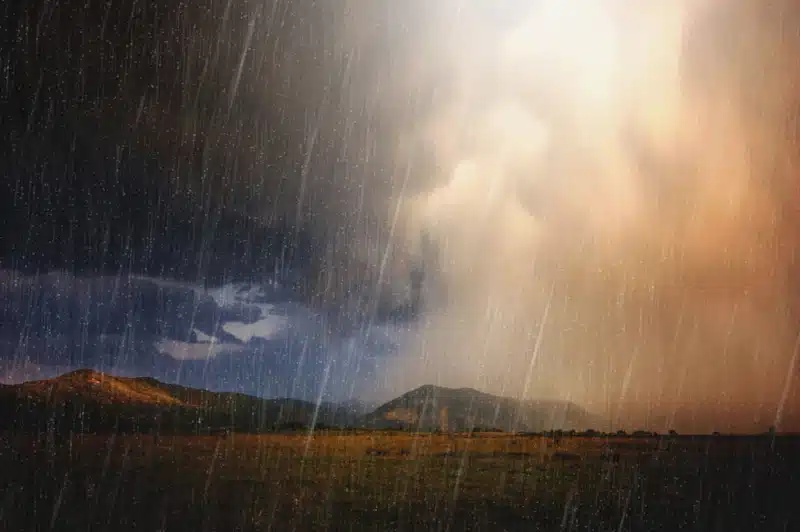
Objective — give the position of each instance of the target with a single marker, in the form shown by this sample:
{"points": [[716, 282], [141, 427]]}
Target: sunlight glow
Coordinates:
{"points": [[576, 42]]}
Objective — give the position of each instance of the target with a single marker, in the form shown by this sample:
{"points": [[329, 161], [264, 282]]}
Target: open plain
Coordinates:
{"points": [[376, 480]]}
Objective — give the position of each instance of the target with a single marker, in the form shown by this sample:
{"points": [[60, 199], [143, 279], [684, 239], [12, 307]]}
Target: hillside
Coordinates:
{"points": [[433, 407], [89, 401], [94, 386]]}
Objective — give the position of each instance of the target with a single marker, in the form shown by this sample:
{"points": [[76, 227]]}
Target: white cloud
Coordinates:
{"points": [[195, 351]]}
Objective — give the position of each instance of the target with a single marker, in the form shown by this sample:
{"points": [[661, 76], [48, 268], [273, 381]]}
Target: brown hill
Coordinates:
{"points": [[87, 400], [89, 385]]}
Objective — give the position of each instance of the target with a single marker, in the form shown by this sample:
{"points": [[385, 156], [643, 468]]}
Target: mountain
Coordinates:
{"points": [[463, 409], [90, 401]]}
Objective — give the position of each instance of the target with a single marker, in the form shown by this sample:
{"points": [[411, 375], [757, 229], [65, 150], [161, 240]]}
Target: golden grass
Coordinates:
{"points": [[357, 444]]}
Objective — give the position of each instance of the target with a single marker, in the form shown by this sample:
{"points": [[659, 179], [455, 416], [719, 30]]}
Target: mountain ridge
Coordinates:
{"points": [[86, 399]]}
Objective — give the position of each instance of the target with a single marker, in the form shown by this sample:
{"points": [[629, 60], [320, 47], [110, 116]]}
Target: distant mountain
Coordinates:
{"points": [[434, 407], [89, 401]]}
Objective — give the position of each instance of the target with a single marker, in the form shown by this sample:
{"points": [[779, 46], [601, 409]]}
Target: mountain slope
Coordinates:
{"points": [[92, 385], [432, 407], [86, 400]]}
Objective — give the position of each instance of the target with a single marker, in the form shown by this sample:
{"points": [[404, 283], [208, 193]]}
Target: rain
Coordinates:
{"points": [[366, 264]]}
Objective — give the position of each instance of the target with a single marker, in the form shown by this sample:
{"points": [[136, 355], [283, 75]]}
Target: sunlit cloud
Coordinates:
{"points": [[605, 212]]}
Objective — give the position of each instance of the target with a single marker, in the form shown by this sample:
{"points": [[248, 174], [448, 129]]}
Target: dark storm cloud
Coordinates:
{"points": [[214, 139], [126, 143], [162, 135]]}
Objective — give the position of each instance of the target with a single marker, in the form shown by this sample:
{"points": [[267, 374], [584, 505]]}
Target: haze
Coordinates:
{"points": [[604, 209]]}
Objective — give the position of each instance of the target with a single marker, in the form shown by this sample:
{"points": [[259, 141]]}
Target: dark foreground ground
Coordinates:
{"points": [[379, 481]]}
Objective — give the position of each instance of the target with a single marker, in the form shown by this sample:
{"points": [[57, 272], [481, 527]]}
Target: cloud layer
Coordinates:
{"points": [[609, 211]]}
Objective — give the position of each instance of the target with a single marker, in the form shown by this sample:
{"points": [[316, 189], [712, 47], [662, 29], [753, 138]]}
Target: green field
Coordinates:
{"points": [[396, 481]]}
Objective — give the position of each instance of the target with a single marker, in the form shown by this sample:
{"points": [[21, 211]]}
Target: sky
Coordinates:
{"points": [[586, 200]]}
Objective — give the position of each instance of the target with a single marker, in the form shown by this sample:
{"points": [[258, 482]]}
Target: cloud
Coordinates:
{"points": [[203, 337], [196, 351], [607, 214], [269, 326]]}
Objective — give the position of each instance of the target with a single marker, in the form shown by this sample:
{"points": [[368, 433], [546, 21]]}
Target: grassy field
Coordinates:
{"points": [[397, 481]]}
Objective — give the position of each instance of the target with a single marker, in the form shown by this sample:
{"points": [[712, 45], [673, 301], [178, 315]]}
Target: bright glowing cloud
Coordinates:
{"points": [[602, 206]]}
